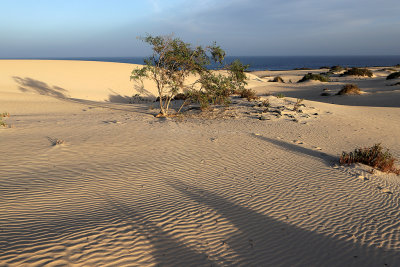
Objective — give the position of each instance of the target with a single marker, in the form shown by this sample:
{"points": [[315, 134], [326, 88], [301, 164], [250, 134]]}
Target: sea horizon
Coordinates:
{"points": [[257, 63]]}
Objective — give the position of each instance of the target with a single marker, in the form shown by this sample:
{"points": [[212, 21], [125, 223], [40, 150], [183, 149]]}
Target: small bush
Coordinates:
{"points": [[350, 89], [336, 68], [249, 94], [280, 95], [358, 72], [325, 94], [393, 75], [316, 77], [3, 115], [302, 68], [277, 79], [372, 156]]}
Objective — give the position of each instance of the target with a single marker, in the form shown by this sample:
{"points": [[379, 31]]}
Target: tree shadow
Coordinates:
{"points": [[135, 99], [116, 101], [265, 241], [168, 250], [28, 84], [328, 159]]}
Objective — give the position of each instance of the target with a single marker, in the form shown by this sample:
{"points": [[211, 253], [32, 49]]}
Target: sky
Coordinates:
{"points": [[109, 28]]}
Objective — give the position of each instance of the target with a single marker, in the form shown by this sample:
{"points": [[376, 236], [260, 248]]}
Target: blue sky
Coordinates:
{"points": [[90, 28]]}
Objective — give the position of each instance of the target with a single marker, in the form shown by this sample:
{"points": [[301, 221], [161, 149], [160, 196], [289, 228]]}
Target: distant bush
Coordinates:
{"points": [[393, 75], [302, 68], [397, 66], [280, 95], [350, 89], [325, 94], [358, 72], [317, 77], [372, 156], [336, 68], [277, 79]]}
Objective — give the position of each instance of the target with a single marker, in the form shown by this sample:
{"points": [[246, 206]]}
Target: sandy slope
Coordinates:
{"points": [[126, 189]]}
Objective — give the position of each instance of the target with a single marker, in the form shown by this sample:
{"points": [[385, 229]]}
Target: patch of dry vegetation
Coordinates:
{"points": [[315, 77], [350, 89], [277, 79], [3, 115], [374, 156]]}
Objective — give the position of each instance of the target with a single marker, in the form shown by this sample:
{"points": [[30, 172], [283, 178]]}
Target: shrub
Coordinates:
{"points": [[277, 79], [325, 94], [358, 72], [393, 75], [280, 95], [173, 61], [302, 68], [3, 115], [372, 156], [350, 89], [249, 94], [336, 68], [317, 77]]}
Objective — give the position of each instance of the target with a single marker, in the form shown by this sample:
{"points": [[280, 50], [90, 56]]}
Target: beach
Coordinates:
{"points": [[236, 188]]}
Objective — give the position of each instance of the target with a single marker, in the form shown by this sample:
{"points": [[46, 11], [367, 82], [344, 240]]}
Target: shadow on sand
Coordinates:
{"points": [[42, 88], [328, 159], [259, 240], [116, 101]]}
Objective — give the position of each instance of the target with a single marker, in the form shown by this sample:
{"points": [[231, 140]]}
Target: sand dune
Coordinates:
{"points": [[127, 189]]}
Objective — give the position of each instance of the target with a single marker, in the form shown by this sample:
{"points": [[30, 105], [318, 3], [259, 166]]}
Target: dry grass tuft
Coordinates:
{"points": [[277, 79], [55, 141], [350, 89], [372, 156], [3, 115], [249, 94]]}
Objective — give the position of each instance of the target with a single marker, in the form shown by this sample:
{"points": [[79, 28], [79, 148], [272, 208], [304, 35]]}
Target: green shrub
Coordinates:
{"points": [[173, 60], [350, 89], [317, 77], [336, 68], [280, 95], [393, 75], [372, 156], [358, 72]]}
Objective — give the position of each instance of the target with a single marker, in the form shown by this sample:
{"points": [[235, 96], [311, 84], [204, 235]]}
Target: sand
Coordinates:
{"points": [[127, 189]]}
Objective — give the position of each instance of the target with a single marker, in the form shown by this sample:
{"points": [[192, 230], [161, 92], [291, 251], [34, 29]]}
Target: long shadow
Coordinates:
{"points": [[264, 241], [329, 160], [42, 88], [167, 249], [31, 85]]}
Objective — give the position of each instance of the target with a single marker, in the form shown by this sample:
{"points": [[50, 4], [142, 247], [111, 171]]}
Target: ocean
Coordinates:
{"points": [[275, 62]]}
